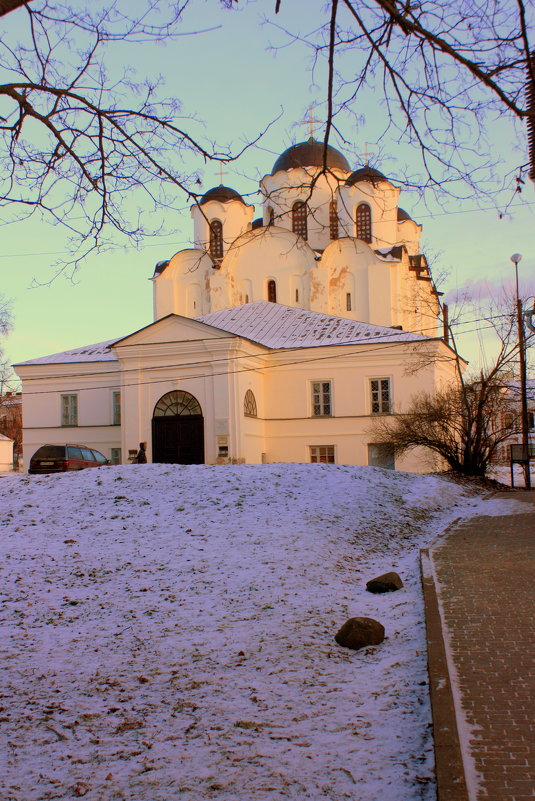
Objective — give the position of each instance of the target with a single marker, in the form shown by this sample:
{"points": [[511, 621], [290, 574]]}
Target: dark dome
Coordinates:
{"points": [[160, 267], [365, 174], [402, 215], [310, 154], [258, 223], [221, 193]]}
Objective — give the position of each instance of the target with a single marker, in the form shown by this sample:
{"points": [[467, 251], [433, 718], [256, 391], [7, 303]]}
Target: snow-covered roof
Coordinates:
{"points": [[100, 352], [277, 326], [269, 324]]}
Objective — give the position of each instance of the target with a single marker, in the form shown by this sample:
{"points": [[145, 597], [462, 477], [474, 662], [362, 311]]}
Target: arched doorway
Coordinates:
{"points": [[178, 430]]}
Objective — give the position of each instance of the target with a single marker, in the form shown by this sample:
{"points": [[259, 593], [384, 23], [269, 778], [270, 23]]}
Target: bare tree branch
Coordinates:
{"points": [[75, 141], [443, 72]]}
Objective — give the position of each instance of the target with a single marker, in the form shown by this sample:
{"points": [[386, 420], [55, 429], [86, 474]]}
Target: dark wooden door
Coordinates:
{"points": [[178, 440]]}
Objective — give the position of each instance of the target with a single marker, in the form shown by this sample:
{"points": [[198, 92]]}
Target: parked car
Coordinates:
{"points": [[60, 458]]}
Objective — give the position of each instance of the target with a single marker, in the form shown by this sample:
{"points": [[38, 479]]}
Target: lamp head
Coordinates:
{"points": [[516, 257]]}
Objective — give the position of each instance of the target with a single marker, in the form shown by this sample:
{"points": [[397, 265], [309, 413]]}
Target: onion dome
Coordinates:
{"points": [[365, 174], [310, 154], [258, 223], [402, 215], [221, 193]]}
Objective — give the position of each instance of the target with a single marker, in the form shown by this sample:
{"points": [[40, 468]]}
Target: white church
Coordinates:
{"points": [[276, 339]]}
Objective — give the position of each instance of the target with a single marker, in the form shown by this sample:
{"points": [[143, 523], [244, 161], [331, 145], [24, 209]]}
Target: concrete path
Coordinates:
{"points": [[481, 650]]}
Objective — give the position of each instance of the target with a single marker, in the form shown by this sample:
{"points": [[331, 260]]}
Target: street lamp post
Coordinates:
{"points": [[515, 258]]}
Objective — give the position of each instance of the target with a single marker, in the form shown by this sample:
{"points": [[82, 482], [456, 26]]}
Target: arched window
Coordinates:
{"points": [[272, 291], [271, 216], [333, 219], [364, 222], [216, 239], [177, 403], [299, 219], [249, 404]]}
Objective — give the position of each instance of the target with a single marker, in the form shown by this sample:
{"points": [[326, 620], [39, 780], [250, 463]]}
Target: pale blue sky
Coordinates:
{"points": [[235, 85]]}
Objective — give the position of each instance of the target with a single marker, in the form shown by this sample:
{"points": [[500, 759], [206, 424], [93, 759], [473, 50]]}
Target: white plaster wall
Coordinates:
{"points": [[206, 373], [217, 370], [258, 256], [291, 430], [408, 234], [235, 216], [6, 454], [93, 384], [251, 431], [186, 279], [383, 200], [282, 190], [346, 264], [383, 293]]}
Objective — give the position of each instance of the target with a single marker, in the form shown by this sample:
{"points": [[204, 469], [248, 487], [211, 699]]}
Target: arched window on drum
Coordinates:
{"points": [[272, 291], [333, 219], [299, 219], [363, 219], [216, 239]]}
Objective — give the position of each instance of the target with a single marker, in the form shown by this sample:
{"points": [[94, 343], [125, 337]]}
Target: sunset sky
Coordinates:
{"points": [[237, 77]]}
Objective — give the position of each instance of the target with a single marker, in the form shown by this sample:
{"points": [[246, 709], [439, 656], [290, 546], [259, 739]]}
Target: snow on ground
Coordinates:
{"points": [[169, 633]]}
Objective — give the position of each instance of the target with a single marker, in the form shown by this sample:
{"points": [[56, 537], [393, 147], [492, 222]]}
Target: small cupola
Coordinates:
{"points": [[367, 173], [222, 194], [220, 217]]}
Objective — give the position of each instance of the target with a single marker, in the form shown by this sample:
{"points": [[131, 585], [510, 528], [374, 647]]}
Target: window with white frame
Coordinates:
{"points": [[321, 399], [116, 408], [116, 456], [69, 410], [381, 401], [322, 453]]}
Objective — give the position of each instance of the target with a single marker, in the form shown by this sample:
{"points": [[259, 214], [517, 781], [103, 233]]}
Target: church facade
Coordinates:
{"points": [[274, 339]]}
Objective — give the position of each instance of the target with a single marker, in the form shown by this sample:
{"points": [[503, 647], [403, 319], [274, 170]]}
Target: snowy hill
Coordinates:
{"points": [[171, 633]]}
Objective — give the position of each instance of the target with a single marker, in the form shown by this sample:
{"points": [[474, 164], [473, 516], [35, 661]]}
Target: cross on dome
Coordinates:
{"points": [[310, 121]]}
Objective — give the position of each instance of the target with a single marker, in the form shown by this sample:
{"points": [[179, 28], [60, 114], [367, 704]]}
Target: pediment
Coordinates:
{"points": [[173, 328]]}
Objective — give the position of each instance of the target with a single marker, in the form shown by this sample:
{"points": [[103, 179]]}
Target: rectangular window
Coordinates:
{"points": [[348, 301], [380, 396], [381, 456], [69, 410], [321, 398], [322, 453], [116, 408], [116, 456]]}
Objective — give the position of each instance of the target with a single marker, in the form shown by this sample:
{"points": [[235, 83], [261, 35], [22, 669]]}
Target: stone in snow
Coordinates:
{"points": [[388, 582], [357, 632]]}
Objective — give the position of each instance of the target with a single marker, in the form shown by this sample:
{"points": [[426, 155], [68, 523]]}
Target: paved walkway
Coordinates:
{"points": [[481, 646]]}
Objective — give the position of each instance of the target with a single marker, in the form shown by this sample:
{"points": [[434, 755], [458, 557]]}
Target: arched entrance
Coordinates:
{"points": [[178, 430]]}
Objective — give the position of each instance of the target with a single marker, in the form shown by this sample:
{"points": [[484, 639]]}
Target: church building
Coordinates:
{"points": [[275, 339]]}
